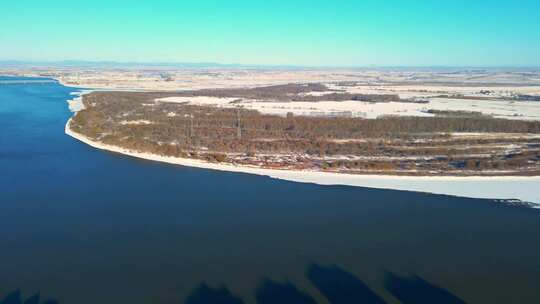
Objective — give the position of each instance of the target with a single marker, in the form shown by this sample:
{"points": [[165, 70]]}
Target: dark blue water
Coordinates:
{"points": [[79, 225]]}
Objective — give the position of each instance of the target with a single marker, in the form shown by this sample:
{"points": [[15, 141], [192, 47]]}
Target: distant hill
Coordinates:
{"points": [[130, 64]]}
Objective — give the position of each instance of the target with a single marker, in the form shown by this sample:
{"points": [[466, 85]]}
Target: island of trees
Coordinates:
{"points": [[450, 143]]}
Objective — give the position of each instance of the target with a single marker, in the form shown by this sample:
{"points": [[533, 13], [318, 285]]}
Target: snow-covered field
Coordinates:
{"points": [[180, 78], [431, 90], [497, 108]]}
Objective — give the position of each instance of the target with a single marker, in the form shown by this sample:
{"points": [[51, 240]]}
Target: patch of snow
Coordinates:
{"points": [[135, 122]]}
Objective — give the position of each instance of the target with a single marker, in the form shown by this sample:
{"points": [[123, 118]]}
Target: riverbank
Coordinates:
{"points": [[498, 187]]}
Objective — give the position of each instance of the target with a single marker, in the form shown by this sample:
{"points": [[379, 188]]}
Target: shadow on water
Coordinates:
{"points": [[340, 286], [271, 292], [415, 290], [335, 284], [15, 297], [203, 294]]}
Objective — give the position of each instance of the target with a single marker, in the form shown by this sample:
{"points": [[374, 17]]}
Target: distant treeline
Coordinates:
{"points": [[528, 97], [294, 92]]}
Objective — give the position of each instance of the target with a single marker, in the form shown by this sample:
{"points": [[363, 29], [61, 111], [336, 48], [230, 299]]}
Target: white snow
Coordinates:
{"points": [[500, 109], [135, 122]]}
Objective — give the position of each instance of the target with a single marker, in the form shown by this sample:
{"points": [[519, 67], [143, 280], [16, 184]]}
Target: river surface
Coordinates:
{"points": [[80, 225]]}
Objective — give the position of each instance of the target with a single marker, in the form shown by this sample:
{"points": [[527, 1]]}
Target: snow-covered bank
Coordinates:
{"points": [[76, 104], [504, 187]]}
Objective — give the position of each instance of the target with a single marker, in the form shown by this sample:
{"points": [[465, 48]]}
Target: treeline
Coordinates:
{"points": [[285, 92], [116, 106], [107, 110], [294, 92], [527, 97]]}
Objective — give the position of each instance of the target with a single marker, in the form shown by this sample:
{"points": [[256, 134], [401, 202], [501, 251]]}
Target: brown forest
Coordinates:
{"points": [[395, 145]]}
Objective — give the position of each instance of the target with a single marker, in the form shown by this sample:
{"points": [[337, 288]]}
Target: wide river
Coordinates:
{"points": [[80, 225]]}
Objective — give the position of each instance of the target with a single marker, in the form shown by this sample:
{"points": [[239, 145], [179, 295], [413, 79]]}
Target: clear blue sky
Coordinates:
{"points": [[299, 32]]}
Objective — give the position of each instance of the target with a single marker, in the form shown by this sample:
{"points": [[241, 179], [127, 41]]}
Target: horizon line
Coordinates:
{"points": [[81, 62]]}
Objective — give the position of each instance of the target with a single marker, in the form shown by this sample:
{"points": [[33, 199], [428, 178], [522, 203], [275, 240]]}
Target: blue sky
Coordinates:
{"points": [[297, 32]]}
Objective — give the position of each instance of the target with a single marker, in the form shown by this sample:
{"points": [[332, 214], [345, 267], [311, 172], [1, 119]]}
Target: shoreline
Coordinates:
{"points": [[483, 187]]}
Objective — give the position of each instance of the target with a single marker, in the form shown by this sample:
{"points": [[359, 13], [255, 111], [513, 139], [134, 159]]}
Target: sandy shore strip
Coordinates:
{"points": [[500, 187]]}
